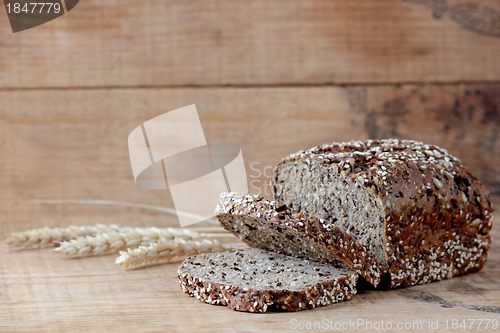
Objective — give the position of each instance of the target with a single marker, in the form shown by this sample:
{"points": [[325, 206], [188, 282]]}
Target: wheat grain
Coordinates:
{"points": [[123, 238], [166, 250], [40, 237], [144, 245]]}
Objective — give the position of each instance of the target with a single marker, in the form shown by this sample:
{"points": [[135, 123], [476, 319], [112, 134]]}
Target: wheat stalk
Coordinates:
{"points": [[40, 237], [144, 245], [166, 250], [127, 237]]}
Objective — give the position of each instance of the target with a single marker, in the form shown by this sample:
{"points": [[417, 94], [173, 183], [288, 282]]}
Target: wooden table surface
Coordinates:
{"points": [[42, 292]]}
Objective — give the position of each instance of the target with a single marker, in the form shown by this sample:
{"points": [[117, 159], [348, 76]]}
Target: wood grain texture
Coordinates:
{"points": [[72, 144], [257, 42], [41, 292], [123, 62]]}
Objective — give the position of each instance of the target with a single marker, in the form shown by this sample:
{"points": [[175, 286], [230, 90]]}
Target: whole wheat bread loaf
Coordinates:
{"points": [[415, 207], [255, 280], [270, 226]]}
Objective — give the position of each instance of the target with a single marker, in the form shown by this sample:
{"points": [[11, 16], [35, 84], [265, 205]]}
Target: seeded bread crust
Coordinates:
{"points": [[199, 278], [435, 218], [270, 226]]}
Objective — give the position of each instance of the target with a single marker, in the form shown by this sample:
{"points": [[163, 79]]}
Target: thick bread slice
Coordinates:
{"points": [[270, 226], [255, 280], [414, 206]]}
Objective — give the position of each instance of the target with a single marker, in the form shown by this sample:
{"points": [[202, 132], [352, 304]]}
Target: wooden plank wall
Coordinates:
{"points": [[256, 42], [271, 76]]}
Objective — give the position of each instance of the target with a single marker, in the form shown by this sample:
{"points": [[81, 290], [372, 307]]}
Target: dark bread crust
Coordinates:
{"points": [[255, 221], [437, 215], [331, 290]]}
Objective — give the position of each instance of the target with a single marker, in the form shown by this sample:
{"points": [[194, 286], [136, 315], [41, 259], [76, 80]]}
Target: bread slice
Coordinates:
{"points": [[414, 206], [255, 280], [270, 226]]}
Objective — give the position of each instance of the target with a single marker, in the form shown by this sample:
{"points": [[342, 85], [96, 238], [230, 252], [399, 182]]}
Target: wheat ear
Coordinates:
{"points": [[127, 237], [52, 236], [166, 250]]}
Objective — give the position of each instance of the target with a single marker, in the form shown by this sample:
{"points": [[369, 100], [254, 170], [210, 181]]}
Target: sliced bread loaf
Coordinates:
{"points": [[255, 280], [270, 226], [414, 206]]}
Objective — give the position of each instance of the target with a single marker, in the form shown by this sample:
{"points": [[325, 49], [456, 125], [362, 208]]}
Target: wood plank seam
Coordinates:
{"points": [[253, 86]]}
